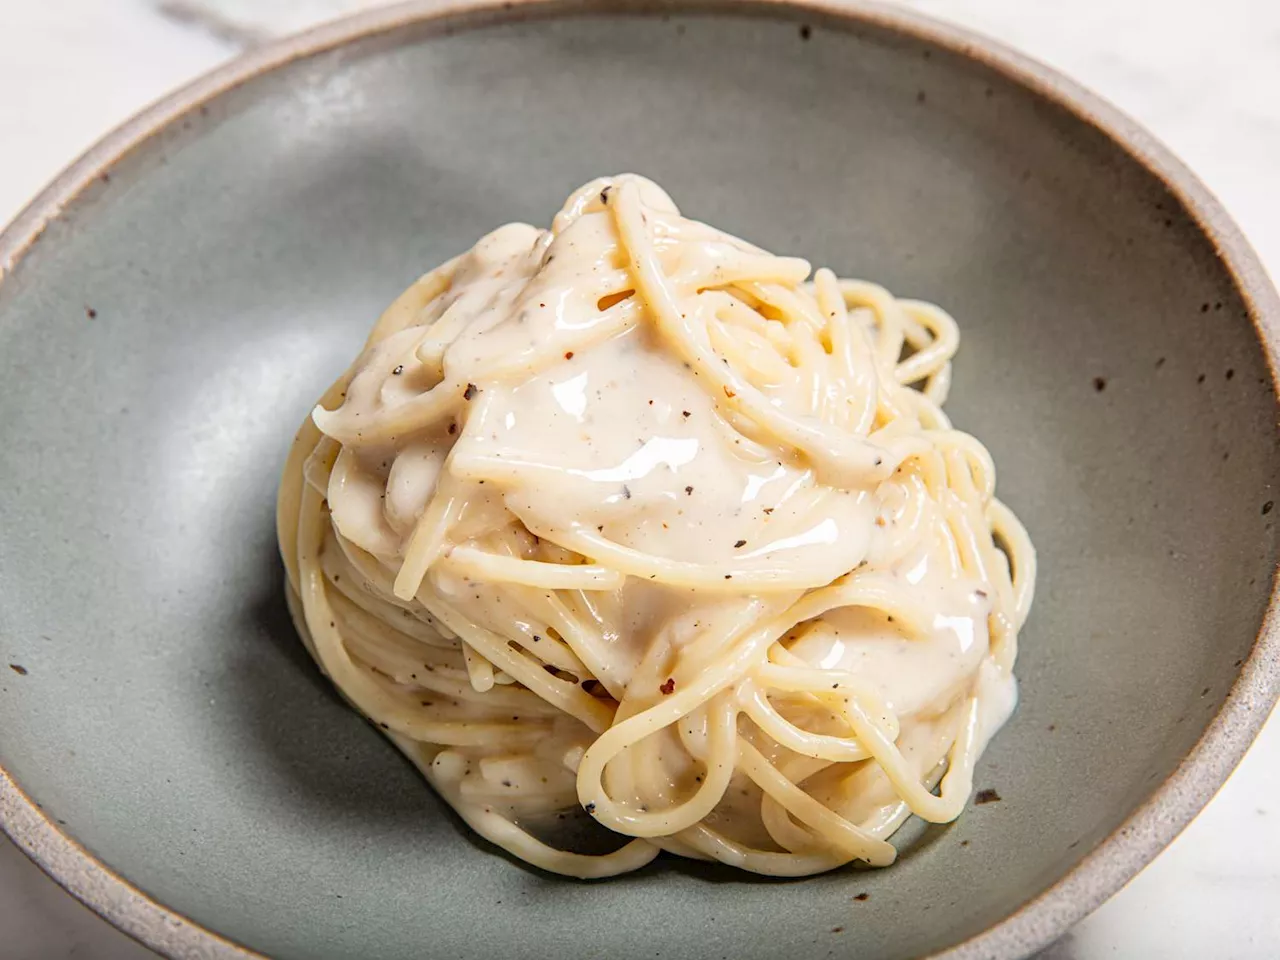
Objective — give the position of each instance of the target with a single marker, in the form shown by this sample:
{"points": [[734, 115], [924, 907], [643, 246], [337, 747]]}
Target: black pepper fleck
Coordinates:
{"points": [[1099, 383], [806, 31], [398, 370], [1267, 507], [470, 392], [987, 796]]}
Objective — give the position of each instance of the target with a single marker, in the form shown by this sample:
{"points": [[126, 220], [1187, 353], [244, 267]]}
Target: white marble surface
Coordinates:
{"points": [[1204, 75]]}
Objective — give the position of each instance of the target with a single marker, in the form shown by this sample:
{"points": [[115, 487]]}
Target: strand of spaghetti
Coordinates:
{"points": [[982, 469], [621, 316], [935, 349], [540, 642], [422, 411], [1022, 555], [408, 634], [588, 647], [956, 784], [785, 832], [358, 685], [972, 533], [848, 837], [716, 846], [887, 323], [745, 348], [849, 345], [428, 537], [837, 749], [722, 632], [479, 670], [404, 310], [850, 460], [722, 736], [833, 688], [289, 496], [442, 681], [318, 468], [910, 524], [705, 683], [613, 322], [505, 834], [797, 311], [489, 567], [344, 578], [569, 697], [735, 577]]}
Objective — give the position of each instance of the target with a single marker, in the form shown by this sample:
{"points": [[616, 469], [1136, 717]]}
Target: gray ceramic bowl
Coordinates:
{"points": [[172, 305]]}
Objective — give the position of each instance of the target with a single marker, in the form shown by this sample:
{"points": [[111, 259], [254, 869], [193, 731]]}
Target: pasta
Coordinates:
{"points": [[629, 518]]}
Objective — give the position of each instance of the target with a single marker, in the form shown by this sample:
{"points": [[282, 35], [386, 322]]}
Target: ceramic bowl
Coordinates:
{"points": [[173, 304]]}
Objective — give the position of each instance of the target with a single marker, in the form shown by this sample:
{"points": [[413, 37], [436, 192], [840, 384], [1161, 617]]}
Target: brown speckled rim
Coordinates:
{"points": [[1099, 874]]}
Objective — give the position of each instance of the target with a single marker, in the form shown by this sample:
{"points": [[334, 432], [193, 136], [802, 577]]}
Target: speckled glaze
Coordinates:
{"points": [[172, 305]]}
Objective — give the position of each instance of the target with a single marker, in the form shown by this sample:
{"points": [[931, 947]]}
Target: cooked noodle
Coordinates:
{"points": [[626, 516]]}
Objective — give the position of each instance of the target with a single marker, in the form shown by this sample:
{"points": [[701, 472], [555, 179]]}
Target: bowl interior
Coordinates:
{"points": [[164, 337]]}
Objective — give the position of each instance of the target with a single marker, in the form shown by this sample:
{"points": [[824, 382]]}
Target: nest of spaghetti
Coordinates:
{"points": [[630, 522]]}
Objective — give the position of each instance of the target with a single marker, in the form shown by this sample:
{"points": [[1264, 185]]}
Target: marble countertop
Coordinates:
{"points": [[1203, 76]]}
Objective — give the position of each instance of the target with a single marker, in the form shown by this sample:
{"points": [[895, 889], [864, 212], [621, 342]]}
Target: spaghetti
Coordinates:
{"points": [[629, 517]]}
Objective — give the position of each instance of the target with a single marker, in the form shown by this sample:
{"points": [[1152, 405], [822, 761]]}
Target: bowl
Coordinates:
{"points": [[174, 302]]}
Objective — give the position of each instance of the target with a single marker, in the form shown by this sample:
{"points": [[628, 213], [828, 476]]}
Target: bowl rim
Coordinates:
{"points": [[1096, 876]]}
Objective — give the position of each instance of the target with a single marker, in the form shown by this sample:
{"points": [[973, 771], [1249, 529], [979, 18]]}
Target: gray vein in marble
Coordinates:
{"points": [[208, 19]]}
